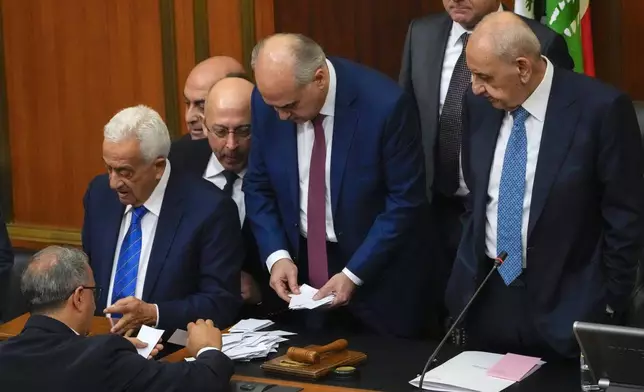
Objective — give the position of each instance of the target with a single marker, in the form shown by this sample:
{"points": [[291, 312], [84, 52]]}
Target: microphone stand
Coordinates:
{"points": [[497, 263]]}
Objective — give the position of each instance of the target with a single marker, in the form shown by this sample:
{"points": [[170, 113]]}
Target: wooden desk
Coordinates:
{"points": [[100, 326], [305, 386]]}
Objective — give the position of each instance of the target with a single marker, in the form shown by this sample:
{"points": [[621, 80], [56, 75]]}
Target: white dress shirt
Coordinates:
{"points": [[452, 53], [305, 139], [215, 174], [536, 106], [148, 230]]}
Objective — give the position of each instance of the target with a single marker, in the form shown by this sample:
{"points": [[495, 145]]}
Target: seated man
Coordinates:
{"points": [[163, 256], [6, 264], [52, 353], [222, 159]]}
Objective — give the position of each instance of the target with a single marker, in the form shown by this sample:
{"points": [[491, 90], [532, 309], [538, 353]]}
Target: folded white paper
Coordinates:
{"points": [[250, 325], [151, 336], [304, 300]]}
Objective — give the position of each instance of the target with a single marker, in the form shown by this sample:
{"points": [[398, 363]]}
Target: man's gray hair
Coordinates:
{"points": [[308, 54], [513, 40], [145, 125], [52, 275]]}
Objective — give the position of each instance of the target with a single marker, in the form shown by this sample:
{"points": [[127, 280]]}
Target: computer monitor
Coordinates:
{"points": [[614, 355]]}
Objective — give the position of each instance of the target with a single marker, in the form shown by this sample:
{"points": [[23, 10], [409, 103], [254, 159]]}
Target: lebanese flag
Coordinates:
{"points": [[571, 18]]}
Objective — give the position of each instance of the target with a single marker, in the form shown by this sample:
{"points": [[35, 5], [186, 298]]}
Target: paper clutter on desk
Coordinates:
{"points": [[304, 300], [250, 325], [515, 367], [151, 336], [467, 371]]}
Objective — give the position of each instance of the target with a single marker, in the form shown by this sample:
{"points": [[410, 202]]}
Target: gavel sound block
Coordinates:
{"points": [[314, 361]]}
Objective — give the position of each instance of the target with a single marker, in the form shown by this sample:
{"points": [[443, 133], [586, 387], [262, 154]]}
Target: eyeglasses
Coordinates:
{"points": [[97, 291], [242, 131]]}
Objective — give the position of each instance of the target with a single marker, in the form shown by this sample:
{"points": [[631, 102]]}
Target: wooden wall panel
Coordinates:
{"points": [[632, 46], [224, 25], [264, 19], [371, 32], [185, 46], [68, 70]]}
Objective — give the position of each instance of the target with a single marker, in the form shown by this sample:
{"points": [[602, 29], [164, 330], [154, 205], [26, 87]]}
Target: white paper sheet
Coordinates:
{"points": [[179, 337], [304, 300], [151, 336]]}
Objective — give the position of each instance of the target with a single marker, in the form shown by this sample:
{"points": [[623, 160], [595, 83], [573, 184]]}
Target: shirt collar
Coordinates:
{"points": [[328, 109], [458, 30], [537, 102], [215, 168], [154, 202]]}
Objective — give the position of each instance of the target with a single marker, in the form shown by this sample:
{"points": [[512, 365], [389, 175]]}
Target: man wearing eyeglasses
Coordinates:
{"points": [[53, 353], [222, 159]]}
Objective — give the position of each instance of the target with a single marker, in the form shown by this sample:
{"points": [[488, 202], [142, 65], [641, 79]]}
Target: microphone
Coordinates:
{"points": [[497, 263]]}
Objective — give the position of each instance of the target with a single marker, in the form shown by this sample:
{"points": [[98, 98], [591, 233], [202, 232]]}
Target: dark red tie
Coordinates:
{"points": [[316, 210]]}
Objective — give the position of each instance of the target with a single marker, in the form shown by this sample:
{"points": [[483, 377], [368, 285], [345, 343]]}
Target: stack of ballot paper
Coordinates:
{"points": [[245, 341], [304, 300], [473, 371]]}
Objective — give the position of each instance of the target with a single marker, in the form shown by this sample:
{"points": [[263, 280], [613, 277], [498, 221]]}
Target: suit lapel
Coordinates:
{"points": [[431, 65], [287, 132], [167, 226], [111, 223], [344, 126], [558, 131], [202, 155]]}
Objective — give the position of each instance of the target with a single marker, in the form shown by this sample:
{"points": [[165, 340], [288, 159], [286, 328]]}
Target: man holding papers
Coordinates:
{"points": [[336, 194], [53, 353], [553, 160]]}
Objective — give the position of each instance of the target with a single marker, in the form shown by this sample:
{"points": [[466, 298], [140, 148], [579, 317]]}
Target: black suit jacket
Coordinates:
{"points": [[192, 157], [49, 356], [422, 64], [586, 213], [6, 265]]}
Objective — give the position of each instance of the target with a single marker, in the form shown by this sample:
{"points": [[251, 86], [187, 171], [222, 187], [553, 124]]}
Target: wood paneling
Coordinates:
{"points": [[185, 47], [264, 19], [224, 25], [69, 68], [371, 32]]}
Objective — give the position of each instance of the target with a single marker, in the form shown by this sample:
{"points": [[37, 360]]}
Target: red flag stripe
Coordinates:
{"points": [[587, 44]]}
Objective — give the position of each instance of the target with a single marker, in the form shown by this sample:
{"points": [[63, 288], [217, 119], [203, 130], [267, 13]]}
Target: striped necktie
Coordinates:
{"points": [[127, 268]]}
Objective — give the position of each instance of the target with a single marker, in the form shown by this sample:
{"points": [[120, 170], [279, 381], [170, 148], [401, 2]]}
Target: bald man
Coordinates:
{"points": [[335, 188], [202, 77], [553, 161], [222, 158]]}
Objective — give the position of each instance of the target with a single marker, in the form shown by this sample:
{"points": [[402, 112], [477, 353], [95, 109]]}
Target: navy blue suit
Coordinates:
{"points": [[377, 185], [585, 225], [197, 254]]}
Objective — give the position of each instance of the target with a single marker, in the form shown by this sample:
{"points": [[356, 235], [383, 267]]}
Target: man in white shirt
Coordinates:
{"points": [[553, 162], [163, 255], [222, 158], [434, 72]]}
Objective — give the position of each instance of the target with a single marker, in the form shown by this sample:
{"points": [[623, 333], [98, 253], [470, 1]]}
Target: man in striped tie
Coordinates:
{"points": [[163, 256], [553, 161]]}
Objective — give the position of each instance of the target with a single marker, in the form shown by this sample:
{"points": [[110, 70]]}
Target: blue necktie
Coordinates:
{"points": [[511, 194], [127, 268]]}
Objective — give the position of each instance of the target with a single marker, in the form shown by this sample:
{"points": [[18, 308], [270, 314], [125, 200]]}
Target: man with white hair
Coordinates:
{"points": [[163, 256], [553, 161]]}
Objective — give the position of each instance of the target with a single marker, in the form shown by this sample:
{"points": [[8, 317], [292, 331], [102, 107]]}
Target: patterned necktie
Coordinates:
{"points": [[127, 268], [511, 194], [450, 126], [316, 209], [231, 177]]}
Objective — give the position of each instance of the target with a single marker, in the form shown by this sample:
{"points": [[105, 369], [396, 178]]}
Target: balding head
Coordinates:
{"points": [[227, 121], [292, 75], [504, 56], [202, 77]]}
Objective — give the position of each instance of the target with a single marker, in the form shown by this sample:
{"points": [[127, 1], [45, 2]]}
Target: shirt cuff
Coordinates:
{"points": [[351, 275], [275, 257], [203, 350], [157, 308]]}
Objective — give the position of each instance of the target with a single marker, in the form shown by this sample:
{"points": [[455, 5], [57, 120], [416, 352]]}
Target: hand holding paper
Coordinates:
{"points": [[149, 336], [304, 300]]}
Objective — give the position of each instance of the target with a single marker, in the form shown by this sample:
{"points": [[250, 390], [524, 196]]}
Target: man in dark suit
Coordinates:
{"points": [[553, 162], [335, 194], [222, 158], [6, 265], [52, 353], [202, 77], [434, 73], [164, 256]]}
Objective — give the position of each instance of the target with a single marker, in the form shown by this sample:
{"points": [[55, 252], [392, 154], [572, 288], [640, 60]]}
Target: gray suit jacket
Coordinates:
{"points": [[422, 62]]}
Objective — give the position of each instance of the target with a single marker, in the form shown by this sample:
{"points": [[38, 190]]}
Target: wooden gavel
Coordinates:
{"points": [[312, 355]]}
